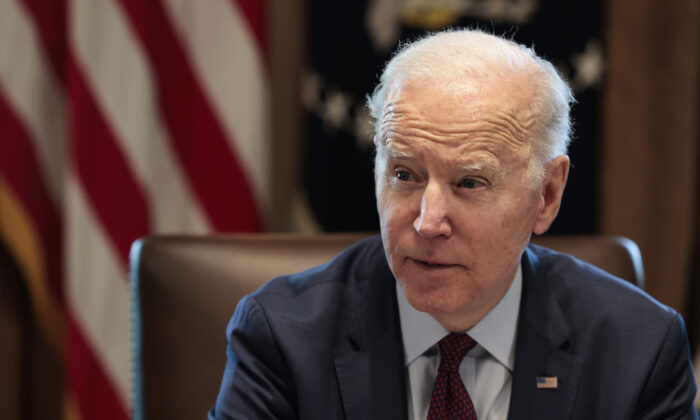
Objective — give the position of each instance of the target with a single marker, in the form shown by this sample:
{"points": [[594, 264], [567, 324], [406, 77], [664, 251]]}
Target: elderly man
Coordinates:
{"points": [[450, 313]]}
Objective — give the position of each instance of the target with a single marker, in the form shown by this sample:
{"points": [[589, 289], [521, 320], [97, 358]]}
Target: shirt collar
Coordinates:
{"points": [[495, 332]]}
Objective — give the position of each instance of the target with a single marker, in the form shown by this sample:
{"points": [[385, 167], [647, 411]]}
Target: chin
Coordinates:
{"points": [[434, 300]]}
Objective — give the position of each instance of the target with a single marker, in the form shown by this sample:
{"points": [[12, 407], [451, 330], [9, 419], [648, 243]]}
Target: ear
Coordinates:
{"points": [[556, 173]]}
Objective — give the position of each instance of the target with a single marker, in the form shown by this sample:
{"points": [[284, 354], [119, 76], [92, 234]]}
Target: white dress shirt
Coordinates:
{"points": [[486, 370]]}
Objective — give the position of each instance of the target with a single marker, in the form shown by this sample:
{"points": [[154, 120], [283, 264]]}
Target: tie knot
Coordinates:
{"points": [[453, 348]]}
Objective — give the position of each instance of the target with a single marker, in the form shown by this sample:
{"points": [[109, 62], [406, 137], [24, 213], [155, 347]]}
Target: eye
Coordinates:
{"points": [[470, 183], [403, 175]]}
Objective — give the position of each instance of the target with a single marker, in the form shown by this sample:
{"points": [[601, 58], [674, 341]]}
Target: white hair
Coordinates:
{"points": [[465, 55]]}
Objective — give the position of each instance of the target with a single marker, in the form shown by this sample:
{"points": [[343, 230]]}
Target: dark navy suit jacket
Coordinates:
{"points": [[326, 344]]}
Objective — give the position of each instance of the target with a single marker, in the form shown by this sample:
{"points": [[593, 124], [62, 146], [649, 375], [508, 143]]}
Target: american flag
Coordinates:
{"points": [[547, 382], [118, 119]]}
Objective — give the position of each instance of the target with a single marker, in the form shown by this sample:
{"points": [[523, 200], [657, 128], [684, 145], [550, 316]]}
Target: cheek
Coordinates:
{"points": [[394, 209], [396, 216], [508, 232], [393, 216], [493, 232], [521, 221], [515, 215]]}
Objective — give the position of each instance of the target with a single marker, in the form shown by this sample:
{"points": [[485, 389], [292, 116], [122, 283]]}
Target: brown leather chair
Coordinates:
{"points": [[185, 289]]}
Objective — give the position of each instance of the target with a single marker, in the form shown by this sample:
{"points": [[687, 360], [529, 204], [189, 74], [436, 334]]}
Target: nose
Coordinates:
{"points": [[433, 220]]}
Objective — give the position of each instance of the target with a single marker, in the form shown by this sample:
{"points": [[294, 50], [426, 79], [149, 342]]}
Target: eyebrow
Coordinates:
{"points": [[475, 166], [478, 166], [394, 153]]}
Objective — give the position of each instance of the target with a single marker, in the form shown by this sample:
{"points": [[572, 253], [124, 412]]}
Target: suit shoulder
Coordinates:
{"points": [[587, 289], [314, 309]]}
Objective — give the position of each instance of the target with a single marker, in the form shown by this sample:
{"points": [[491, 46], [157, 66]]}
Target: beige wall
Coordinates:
{"points": [[287, 35], [650, 137]]}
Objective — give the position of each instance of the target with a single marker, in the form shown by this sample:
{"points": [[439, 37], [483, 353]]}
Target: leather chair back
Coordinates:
{"points": [[185, 289]]}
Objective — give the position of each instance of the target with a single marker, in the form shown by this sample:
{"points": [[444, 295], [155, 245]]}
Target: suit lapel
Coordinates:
{"points": [[372, 381], [370, 371], [543, 334]]}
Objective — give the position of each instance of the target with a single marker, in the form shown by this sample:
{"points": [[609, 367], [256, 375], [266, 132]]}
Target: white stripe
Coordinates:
{"points": [[117, 73], [230, 69], [33, 92], [97, 290]]}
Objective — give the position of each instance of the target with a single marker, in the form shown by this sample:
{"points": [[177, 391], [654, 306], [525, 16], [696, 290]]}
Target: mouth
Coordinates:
{"points": [[433, 265]]}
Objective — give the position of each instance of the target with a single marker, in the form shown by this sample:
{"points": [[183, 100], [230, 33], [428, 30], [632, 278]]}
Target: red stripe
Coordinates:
{"points": [[20, 166], [254, 12], [93, 391], [112, 190], [51, 17], [197, 136]]}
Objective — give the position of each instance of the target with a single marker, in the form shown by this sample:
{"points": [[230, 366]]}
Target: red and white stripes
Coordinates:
{"points": [[121, 118]]}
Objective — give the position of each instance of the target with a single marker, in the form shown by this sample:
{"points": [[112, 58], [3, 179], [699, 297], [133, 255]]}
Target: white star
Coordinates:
{"points": [[589, 66], [364, 130], [383, 24], [335, 111]]}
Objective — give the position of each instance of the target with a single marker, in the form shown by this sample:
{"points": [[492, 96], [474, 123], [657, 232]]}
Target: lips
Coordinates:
{"points": [[433, 264]]}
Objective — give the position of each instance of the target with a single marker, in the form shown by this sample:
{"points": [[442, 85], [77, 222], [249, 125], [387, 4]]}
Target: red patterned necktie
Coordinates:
{"points": [[450, 399]]}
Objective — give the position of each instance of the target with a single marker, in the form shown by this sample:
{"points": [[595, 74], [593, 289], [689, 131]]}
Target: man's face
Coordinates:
{"points": [[455, 201]]}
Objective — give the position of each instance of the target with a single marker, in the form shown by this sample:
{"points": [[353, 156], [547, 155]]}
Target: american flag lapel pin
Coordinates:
{"points": [[547, 382]]}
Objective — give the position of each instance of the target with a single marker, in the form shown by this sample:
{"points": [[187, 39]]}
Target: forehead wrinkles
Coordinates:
{"points": [[513, 129], [508, 128]]}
